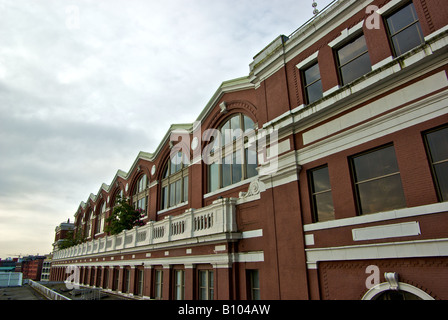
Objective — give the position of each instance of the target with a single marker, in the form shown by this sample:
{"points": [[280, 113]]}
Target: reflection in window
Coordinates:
{"points": [[233, 160], [353, 60], [175, 182], [437, 148], [312, 84], [140, 195], [377, 181], [322, 200], [404, 29]]}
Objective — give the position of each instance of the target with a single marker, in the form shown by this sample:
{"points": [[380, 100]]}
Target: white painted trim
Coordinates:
{"points": [[385, 286], [389, 102], [390, 6], [218, 259], [390, 250], [378, 217], [345, 34], [311, 59], [419, 112], [395, 230], [436, 33], [382, 63], [252, 234]]}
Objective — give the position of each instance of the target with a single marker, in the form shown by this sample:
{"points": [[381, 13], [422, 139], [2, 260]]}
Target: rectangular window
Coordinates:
{"points": [[321, 197], [377, 181], [253, 279], [405, 32], [140, 274], [158, 284], [437, 148], [353, 60], [127, 280], [179, 284], [206, 284], [312, 84]]}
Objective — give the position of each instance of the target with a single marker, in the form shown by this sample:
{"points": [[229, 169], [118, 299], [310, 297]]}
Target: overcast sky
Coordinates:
{"points": [[85, 85]]}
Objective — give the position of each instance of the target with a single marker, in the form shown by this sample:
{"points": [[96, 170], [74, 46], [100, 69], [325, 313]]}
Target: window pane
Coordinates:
{"points": [[441, 172], [185, 197], [164, 197], [248, 123], [356, 68], [314, 92], [226, 171], [438, 145], [172, 194], [324, 206], [381, 195], [352, 50], [251, 163], [320, 179], [375, 164], [224, 130], [312, 74], [235, 123], [213, 173], [178, 184], [407, 39], [402, 18], [237, 173]]}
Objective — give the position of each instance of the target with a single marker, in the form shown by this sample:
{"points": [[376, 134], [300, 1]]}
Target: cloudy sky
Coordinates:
{"points": [[87, 84]]}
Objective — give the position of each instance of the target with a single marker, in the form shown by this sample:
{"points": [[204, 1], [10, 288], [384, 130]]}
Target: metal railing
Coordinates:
{"points": [[47, 292]]}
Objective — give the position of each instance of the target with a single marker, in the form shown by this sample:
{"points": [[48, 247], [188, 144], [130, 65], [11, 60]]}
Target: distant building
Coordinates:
{"points": [[31, 267], [62, 232], [46, 267], [349, 201]]}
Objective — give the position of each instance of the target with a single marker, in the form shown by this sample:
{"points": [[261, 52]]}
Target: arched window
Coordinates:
{"points": [[88, 223], [140, 195], [101, 218], [174, 182], [232, 159]]}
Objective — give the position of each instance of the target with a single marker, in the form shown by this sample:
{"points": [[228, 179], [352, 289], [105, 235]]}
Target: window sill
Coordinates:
{"points": [[172, 208], [232, 186]]}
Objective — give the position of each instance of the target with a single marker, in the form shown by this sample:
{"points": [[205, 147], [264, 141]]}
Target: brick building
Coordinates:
{"points": [[347, 199]]}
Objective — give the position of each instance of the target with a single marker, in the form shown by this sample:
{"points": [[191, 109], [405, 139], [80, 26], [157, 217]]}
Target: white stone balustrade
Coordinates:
{"points": [[219, 217]]}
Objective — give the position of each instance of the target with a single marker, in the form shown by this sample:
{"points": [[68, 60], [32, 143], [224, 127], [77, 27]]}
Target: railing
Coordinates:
{"points": [[219, 217], [50, 294]]}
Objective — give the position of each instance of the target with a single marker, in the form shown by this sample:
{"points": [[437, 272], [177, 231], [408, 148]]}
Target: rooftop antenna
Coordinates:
{"points": [[315, 11]]}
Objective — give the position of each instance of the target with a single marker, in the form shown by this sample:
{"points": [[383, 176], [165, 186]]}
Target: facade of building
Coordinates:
{"points": [[347, 198], [31, 267]]}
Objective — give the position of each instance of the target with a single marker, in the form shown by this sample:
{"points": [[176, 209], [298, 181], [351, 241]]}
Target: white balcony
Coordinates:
{"points": [[217, 218]]}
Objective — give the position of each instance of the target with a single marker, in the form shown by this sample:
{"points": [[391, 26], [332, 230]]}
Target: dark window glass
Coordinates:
{"points": [[437, 146], [377, 181], [322, 199], [253, 278], [313, 84], [405, 31], [353, 60]]}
